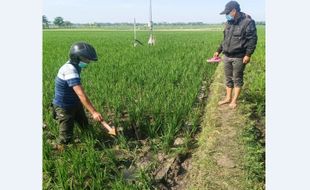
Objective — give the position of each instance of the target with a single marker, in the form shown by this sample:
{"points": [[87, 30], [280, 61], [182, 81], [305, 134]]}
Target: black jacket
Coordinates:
{"points": [[240, 37]]}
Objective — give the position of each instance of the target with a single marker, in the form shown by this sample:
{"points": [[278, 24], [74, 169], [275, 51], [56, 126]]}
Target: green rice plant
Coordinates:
{"points": [[255, 78], [149, 89]]}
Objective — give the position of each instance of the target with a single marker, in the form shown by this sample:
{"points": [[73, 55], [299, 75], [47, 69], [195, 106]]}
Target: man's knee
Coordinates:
{"points": [[238, 82], [230, 83]]}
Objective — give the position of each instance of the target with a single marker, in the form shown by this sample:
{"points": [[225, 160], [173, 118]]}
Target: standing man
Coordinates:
{"points": [[69, 94], [238, 45]]}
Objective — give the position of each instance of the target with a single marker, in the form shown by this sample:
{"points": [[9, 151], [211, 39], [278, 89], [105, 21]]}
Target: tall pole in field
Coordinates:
{"points": [[135, 40], [134, 28], [150, 17], [134, 33], [152, 38]]}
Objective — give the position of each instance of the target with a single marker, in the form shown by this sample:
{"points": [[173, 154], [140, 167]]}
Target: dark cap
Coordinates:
{"points": [[230, 6]]}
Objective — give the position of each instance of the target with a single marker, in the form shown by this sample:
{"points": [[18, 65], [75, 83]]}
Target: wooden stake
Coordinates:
{"points": [[111, 130]]}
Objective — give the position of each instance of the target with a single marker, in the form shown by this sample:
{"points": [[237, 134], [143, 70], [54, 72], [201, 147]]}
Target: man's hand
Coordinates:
{"points": [[216, 54], [97, 116], [246, 59]]}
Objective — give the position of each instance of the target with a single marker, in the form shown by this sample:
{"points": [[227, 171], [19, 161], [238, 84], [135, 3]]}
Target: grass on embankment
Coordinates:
{"points": [[230, 155]]}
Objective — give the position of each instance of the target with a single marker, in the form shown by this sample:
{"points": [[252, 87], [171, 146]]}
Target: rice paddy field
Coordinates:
{"points": [[153, 95]]}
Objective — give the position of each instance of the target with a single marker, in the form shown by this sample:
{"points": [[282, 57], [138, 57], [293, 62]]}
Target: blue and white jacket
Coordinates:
{"points": [[68, 76]]}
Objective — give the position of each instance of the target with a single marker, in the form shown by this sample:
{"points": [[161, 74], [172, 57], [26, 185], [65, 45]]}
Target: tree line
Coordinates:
{"points": [[59, 22]]}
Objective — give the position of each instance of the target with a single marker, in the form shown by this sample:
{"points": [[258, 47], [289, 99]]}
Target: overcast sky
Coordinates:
{"points": [[87, 11]]}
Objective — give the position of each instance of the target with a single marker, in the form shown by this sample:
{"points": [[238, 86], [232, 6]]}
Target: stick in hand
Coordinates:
{"points": [[111, 130]]}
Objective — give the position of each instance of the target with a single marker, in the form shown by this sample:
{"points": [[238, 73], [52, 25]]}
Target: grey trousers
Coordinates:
{"points": [[234, 68], [66, 119]]}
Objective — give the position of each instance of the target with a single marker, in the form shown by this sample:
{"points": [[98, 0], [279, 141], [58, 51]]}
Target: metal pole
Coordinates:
{"points": [[134, 29], [151, 19], [151, 39]]}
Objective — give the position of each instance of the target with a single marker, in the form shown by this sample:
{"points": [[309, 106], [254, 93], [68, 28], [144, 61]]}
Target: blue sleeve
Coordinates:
{"points": [[74, 82]]}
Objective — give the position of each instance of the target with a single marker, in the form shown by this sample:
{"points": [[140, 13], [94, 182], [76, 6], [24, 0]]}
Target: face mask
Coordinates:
{"points": [[82, 64], [229, 17]]}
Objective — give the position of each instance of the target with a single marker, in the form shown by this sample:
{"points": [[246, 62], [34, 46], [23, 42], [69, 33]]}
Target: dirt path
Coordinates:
{"points": [[217, 162]]}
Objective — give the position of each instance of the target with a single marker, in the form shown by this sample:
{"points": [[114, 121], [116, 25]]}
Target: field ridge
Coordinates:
{"points": [[220, 161]]}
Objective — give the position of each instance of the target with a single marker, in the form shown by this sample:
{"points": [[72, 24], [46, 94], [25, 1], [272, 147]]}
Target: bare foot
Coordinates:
{"points": [[226, 101], [233, 105]]}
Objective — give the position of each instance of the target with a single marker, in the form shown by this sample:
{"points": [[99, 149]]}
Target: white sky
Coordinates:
{"points": [[87, 11]]}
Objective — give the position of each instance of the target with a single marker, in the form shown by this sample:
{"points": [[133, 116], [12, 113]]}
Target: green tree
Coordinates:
{"points": [[45, 22], [59, 21]]}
